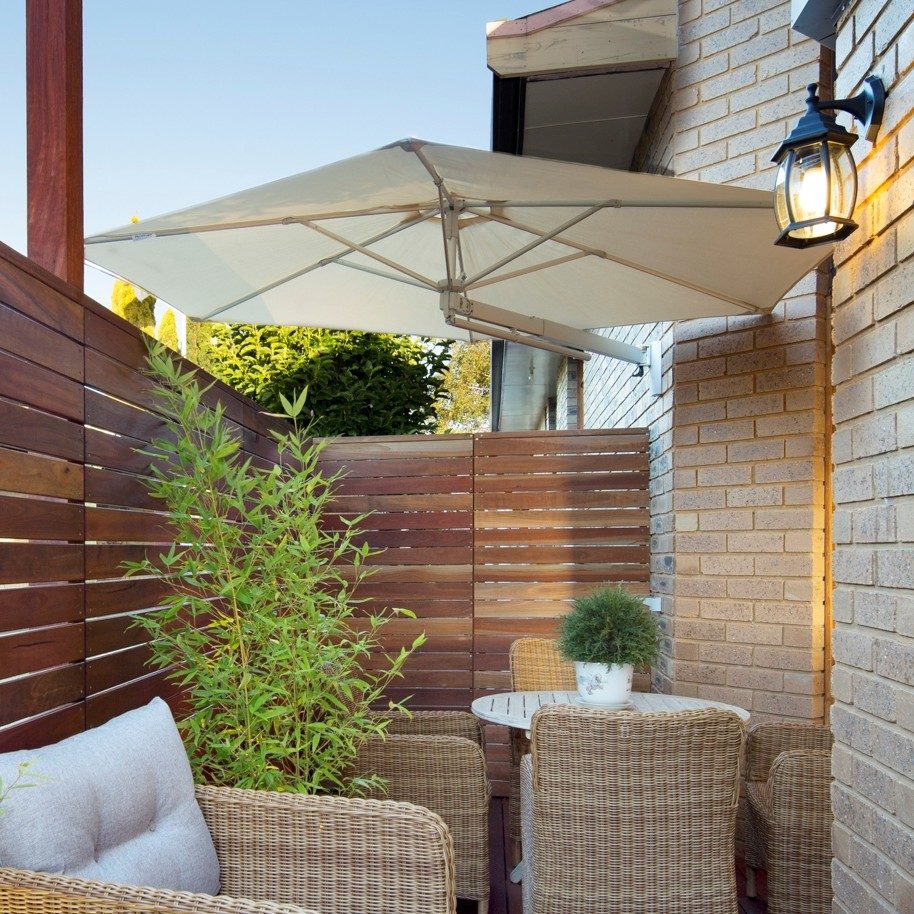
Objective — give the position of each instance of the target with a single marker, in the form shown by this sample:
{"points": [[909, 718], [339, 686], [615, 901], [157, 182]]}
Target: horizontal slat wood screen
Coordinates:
{"points": [[74, 407], [419, 492], [42, 478], [489, 538]]}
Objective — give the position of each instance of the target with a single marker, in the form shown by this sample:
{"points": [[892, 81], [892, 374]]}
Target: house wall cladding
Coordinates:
{"points": [[739, 436], [873, 447]]}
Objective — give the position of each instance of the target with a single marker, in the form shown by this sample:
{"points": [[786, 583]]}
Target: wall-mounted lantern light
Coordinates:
{"points": [[816, 185]]}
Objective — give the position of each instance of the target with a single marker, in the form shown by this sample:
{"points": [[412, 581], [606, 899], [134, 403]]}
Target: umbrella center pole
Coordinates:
{"points": [[450, 220]]}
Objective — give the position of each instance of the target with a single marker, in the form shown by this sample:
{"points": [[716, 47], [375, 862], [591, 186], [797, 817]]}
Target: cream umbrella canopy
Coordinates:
{"points": [[444, 241]]}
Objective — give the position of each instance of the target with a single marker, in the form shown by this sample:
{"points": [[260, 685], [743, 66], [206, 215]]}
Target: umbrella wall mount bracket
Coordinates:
{"points": [[488, 320]]}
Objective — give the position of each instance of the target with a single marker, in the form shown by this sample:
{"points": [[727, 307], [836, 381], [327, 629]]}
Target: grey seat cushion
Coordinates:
{"points": [[114, 804]]}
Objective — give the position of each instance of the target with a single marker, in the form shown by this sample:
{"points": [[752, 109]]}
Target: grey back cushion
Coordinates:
{"points": [[115, 804]]}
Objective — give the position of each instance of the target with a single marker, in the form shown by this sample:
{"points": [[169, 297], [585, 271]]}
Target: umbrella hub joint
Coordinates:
{"points": [[454, 302]]}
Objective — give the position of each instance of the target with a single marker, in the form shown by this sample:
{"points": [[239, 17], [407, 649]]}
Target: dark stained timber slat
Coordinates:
{"points": [[109, 376], [112, 670], [402, 520], [40, 605], [106, 412], [31, 340], [102, 707], [560, 536], [38, 562], [506, 466], [363, 503], [401, 485], [33, 474], [37, 519], [562, 518], [634, 498], [107, 561], [540, 573], [113, 633], [421, 467], [409, 446], [107, 487], [413, 556], [424, 538], [553, 445], [116, 452], [493, 555], [33, 430], [564, 482], [112, 524], [47, 728], [41, 648], [105, 598], [28, 294], [36, 386], [28, 695]]}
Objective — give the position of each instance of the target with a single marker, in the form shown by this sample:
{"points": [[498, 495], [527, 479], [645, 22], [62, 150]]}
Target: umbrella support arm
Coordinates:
{"points": [[544, 334]]}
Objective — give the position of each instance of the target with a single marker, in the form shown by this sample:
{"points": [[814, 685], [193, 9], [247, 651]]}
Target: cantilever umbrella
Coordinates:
{"points": [[442, 241]]}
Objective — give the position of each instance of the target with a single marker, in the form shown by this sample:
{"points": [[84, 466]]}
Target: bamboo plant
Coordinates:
{"points": [[260, 627]]}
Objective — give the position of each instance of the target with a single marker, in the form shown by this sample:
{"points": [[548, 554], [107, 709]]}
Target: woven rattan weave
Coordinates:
{"points": [[631, 813], [790, 818], [446, 774], [281, 854]]}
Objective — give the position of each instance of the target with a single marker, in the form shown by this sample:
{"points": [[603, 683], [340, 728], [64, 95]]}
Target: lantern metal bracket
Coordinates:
{"points": [[867, 107]]}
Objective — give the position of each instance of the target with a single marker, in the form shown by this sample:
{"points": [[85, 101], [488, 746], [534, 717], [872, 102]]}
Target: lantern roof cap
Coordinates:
{"points": [[814, 125]]}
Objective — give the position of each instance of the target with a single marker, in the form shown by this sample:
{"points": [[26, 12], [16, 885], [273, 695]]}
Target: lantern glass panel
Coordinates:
{"points": [[814, 182]]}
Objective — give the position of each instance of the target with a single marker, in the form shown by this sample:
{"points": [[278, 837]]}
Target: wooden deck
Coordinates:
{"points": [[506, 897]]}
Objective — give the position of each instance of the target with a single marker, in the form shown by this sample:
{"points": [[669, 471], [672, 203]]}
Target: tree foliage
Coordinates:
{"points": [[260, 625], [357, 383], [167, 332], [126, 303], [465, 404]]}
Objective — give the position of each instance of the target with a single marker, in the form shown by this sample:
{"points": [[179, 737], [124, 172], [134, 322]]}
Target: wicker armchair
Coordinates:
{"points": [[437, 760], [630, 813], [281, 854], [788, 773]]}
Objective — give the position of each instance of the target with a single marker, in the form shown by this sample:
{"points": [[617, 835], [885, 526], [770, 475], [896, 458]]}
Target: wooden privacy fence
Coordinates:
{"points": [[486, 538], [74, 406]]}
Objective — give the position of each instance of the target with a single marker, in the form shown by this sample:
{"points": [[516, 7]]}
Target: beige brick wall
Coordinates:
{"points": [[739, 439], [873, 375]]}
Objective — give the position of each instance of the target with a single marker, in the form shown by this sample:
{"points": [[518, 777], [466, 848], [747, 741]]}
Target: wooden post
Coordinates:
{"points": [[54, 107]]}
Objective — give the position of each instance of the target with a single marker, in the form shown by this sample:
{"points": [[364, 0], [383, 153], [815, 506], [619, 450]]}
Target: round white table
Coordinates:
{"points": [[516, 709]]}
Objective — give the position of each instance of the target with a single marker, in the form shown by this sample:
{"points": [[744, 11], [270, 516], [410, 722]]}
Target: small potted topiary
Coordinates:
{"points": [[607, 634]]}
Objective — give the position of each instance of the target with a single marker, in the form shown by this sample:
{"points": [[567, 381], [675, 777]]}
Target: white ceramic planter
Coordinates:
{"points": [[604, 686]]}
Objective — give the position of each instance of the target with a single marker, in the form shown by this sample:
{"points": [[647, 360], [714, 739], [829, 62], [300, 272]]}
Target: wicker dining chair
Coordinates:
{"points": [[630, 812], [788, 787], [281, 853], [537, 665], [437, 760]]}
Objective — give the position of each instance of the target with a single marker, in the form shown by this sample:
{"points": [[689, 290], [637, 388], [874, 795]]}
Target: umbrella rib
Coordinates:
{"points": [[622, 204], [439, 181], [541, 239], [399, 227], [631, 264], [558, 261], [140, 234], [362, 249], [376, 272]]}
